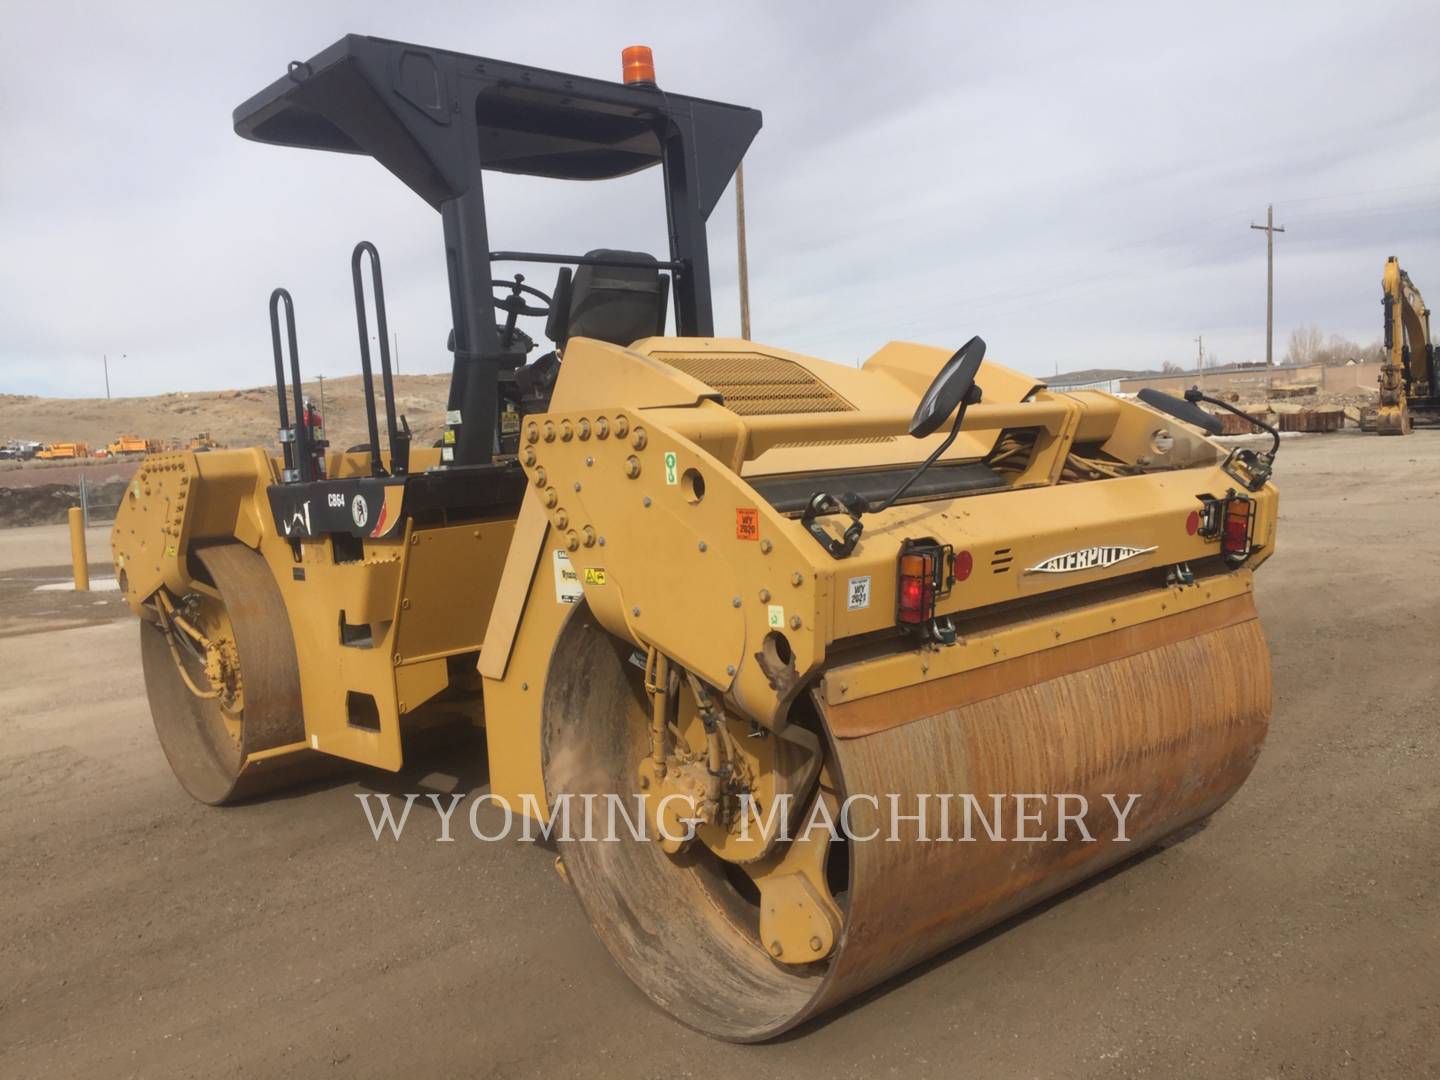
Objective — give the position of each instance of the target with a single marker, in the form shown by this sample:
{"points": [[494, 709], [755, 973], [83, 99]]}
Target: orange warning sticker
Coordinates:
{"points": [[747, 523]]}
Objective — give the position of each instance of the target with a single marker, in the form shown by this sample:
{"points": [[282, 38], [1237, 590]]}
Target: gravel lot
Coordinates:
{"points": [[1298, 935]]}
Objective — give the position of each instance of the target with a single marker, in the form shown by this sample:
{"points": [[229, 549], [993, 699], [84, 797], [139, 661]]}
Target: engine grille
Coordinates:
{"points": [[754, 384]]}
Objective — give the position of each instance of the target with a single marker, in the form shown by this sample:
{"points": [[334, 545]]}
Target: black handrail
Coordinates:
{"points": [[399, 440], [299, 461], [376, 468]]}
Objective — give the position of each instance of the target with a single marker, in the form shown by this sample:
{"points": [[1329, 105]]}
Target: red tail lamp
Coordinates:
{"points": [[1230, 520], [916, 603], [927, 569], [1238, 528]]}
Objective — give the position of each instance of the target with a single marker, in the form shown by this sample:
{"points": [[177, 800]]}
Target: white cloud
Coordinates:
{"points": [[1074, 182]]}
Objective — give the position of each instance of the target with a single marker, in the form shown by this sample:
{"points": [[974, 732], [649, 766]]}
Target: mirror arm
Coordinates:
{"points": [[822, 502], [949, 440], [1250, 467], [1195, 394]]}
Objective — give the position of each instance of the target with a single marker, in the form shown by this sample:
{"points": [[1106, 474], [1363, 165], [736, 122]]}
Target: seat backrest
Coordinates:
{"points": [[618, 304]]}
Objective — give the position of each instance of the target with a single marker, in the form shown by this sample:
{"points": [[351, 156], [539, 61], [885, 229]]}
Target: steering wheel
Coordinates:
{"points": [[514, 304]]}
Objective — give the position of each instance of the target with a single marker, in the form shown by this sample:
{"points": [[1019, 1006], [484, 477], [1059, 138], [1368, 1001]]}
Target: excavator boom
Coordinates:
{"points": [[1409, 393]]}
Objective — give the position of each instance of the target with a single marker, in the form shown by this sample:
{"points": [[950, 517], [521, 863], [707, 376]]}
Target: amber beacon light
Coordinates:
{"points": [[639, 65]]}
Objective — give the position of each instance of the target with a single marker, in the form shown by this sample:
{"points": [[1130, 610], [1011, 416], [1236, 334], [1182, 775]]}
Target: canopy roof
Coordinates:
{"points": [[425, 113]]}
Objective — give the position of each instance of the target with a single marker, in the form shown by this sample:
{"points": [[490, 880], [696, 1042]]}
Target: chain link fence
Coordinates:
{"points": [[99, 502]]}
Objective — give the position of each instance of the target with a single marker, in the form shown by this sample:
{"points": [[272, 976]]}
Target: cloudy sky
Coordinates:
{"points": [[1075, 182]]}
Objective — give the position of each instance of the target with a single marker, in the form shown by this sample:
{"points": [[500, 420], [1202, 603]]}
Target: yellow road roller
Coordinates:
{"points": [[848, 642]]}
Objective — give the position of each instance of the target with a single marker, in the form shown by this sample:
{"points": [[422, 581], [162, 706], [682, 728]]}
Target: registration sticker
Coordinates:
{"points": [[747, 523], [567, 582], [859, 594]]}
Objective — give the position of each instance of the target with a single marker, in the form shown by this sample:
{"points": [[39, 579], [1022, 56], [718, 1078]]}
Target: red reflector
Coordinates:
{"points": [[964, 563], [1192, 523]]}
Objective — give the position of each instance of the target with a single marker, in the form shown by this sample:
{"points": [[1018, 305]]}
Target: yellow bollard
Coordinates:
{"points": [[77, 550]]}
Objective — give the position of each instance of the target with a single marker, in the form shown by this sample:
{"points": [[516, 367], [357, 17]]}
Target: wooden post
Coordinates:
{"points": [[1270, 229], [740, 252]]}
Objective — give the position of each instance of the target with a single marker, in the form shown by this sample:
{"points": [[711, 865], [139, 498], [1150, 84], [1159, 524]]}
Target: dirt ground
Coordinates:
{"points": [[50, 504], [17, 474], [1298, 935]]}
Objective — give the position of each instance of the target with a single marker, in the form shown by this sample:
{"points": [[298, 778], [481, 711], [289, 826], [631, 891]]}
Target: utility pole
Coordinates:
{"points": [[321, 378], [1200, 360], [105, 359], [396, 351], [1270, 229], [740, 251]]}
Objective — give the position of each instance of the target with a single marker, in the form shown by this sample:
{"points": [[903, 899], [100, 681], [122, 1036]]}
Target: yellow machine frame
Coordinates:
{"points": [[693, 568], [435, 600]]}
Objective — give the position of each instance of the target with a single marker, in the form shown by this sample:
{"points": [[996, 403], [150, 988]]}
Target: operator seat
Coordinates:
{"points": [[618, 304]]}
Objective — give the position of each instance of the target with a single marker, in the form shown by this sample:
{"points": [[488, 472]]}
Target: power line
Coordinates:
{"points": [[1358, 194], [1363, 212]]}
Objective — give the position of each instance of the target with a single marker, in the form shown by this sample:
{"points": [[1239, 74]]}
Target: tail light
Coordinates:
{"points": [[925, 576], [1230, 520], [1238, 528]]}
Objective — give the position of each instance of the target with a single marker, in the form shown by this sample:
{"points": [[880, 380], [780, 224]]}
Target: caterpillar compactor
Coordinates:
{"points": [[1409, 393], [713, 579]]}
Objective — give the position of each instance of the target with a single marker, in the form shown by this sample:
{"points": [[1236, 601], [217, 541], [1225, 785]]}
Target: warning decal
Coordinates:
{"points": [[594, 575], [567, 582]]}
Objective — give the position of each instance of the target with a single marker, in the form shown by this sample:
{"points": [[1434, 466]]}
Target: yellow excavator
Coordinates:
{"points": [[1409, 393], [732, 588]]}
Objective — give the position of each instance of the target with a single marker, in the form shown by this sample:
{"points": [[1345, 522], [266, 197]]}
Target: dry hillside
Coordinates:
{"points": [[232, 417]]}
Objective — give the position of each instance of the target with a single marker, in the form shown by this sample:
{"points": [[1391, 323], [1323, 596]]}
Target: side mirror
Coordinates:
{"points": [[952, 387], [1180, 409]]}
